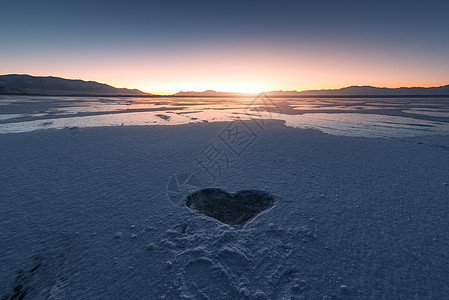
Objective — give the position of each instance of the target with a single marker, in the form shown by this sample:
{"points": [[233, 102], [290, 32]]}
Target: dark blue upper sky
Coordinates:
{"points": [[169, 21], [30, 29]]}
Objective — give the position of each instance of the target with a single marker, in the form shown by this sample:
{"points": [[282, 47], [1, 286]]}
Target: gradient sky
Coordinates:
{"points": [[250, 46]]}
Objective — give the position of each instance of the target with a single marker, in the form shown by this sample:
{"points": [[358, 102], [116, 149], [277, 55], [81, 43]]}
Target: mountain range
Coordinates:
{"points": [[343, 92], [54, 86], [376, 91]]}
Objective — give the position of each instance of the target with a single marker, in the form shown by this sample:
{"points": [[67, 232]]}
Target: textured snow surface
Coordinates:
{"points": [[85, 214]]}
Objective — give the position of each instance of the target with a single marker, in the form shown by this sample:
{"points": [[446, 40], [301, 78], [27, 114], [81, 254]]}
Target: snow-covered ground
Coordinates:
{"points": [[98, 212]]}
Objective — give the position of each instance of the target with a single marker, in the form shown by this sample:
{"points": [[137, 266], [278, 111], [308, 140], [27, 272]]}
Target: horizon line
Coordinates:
{"points": [[233, 92]]}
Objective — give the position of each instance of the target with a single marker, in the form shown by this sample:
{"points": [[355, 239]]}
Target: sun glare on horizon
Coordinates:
{"points": [[231, 87]]}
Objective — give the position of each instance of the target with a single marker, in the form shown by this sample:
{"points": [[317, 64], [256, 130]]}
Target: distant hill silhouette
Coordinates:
{"points": [[375, 91], [347, 91], [54, 86], [208, 93]]}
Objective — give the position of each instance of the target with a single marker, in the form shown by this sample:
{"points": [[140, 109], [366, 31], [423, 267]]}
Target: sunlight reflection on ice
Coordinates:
{"points": [[347, 124], [429, 112], [9, 116], [367, 125], [332, 116]]}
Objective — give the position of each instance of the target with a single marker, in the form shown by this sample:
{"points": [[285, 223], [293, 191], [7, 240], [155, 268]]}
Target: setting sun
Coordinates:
{"points": [[233, 87]]}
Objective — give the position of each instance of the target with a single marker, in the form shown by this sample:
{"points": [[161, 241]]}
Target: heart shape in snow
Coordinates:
{"points": [[233, 209]]}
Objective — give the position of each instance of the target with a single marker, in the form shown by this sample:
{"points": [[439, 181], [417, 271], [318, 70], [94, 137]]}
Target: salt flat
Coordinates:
{"points": [[93, 212]]}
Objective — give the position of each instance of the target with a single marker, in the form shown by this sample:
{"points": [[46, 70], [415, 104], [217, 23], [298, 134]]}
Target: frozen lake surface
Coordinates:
{"points": [[368, 117]]}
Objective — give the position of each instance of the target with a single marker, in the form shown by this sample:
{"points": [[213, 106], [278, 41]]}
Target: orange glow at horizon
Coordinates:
{"points": [[234, 87], [241, 68]]}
